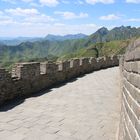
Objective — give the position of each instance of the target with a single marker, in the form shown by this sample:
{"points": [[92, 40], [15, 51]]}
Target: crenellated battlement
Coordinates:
{"points": [[31, 77], [74, 63], [48, 68], [26, 70]]}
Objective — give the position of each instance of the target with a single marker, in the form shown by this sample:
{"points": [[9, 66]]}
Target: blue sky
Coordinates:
{"points": [[41, 17]]}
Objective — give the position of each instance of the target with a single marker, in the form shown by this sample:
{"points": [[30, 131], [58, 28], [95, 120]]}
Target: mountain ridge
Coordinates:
{"points": [[102, 42], [52, 37]]}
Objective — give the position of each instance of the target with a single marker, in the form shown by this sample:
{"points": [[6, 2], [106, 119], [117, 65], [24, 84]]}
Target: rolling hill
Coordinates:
{"points": [[102, 42]]}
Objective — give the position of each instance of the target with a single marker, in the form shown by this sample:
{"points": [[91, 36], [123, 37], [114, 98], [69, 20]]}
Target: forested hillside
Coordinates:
{"points": [[102, 42]]}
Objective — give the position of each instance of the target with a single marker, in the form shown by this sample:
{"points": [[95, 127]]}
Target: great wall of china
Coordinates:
{"points": [[130, 112], [29, 78]]}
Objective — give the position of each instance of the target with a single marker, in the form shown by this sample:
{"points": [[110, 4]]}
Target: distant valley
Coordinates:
{"points": [[103, 42], [50, 37]]}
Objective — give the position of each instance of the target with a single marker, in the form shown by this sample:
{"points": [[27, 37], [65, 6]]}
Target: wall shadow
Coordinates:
{"points": [[10, 104]]}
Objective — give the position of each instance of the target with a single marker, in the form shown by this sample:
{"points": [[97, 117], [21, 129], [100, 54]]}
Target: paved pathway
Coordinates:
{"points": [[86, 109]]}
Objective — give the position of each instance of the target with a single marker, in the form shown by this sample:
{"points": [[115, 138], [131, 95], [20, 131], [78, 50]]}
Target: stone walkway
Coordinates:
{"points": [[85, 109]]}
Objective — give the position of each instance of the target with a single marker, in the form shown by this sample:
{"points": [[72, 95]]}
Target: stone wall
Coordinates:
{"points": [[29, 78], [130, 112]]}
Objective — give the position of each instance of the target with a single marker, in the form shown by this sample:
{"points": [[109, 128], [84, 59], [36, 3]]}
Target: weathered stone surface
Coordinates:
{"points": [[27, 70], [28, 78], [133, 51], [48, 68], [85, 109], [130, 69], [74, 63]]}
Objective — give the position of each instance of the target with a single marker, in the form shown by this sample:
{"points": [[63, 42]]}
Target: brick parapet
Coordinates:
{"points": [[29, 78], [130, 74]]}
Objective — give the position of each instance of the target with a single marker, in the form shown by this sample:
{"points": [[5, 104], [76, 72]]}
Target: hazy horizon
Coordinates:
{"points": [[16, 37]]}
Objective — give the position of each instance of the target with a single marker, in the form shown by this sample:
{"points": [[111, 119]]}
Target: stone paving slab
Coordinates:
{"points": [[85, 109]]}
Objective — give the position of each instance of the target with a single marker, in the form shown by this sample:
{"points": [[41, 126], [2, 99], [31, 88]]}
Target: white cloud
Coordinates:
{"points": [[133, 1], [10, 1], [50, 3], [133, 20], [39, 19], [1, 12], [22, 12], [71, 15], [59, 24], [28, 16], [27, 0], [64, 29], [109, 17], [4, 20], [28, 29], [100, 1], [15, 1]]}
